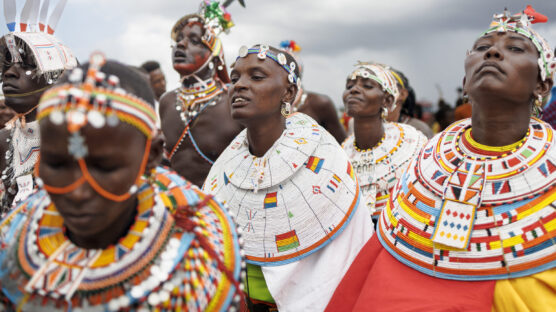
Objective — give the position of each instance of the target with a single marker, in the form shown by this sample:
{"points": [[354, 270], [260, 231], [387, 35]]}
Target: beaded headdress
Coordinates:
{"points": [[521, 23], [379, 73], [50, 56], [215, 20], [263, 51], [99, 102]]}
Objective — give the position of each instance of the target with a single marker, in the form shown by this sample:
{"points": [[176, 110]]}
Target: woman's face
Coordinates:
{"points": [[364, 97], [114, 160], [190, 52], [258, 88], [503, 64], [16, 83]]}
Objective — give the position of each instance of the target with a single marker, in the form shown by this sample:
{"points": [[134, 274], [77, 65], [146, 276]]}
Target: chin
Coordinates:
{"points": [[21, 105]]}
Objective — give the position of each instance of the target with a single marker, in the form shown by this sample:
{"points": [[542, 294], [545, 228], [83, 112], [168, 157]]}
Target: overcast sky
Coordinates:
{"points": [[426, 39]]}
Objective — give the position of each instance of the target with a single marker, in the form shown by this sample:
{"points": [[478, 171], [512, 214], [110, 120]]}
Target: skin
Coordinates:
{"points": [[213, 130], [364, 100], [322, 110], [16, 81], [6, 114], [502, 80], [264, 85], [93, 221], [158, 82]]}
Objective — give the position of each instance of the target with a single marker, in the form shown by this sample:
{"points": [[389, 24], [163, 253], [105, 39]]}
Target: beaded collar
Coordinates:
{"points": [[292, 201], [194, 99], [379, 168], [181, 252], [466, 214]]}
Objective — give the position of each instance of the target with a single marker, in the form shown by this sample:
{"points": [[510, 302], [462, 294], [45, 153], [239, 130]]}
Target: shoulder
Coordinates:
{"points": [[168, 98], [319, 102]]}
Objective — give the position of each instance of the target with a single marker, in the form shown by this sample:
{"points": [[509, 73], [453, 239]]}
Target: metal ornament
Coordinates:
{"points": [[76, 146], [243, 51], [286, 109], [384, 113], [282, 59], [263, 48]]}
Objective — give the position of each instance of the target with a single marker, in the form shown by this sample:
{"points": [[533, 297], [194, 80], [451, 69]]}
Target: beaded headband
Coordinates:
{"points": [[99, 101], [263, 51], [379, 73], [521, 23]]}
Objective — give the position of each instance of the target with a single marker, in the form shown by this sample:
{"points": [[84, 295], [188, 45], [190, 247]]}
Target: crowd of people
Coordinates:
{"points": [[241, 190]]}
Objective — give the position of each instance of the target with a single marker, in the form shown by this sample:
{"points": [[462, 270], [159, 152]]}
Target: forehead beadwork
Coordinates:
{"points": [[98, 101], [263, 52], [521, 23]]}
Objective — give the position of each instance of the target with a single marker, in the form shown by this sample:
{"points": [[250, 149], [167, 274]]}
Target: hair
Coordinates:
{"points": [[150, 66], [131, 79], [408, 106]]}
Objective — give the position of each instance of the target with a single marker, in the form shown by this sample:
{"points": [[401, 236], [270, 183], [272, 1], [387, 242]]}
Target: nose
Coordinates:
{"points": [[81, 193], [239, 84], [493, 51], [13, 71], [182, 44]]}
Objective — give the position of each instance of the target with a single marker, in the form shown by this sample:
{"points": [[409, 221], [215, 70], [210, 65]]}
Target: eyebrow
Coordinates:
{"points": [[517, 37]]}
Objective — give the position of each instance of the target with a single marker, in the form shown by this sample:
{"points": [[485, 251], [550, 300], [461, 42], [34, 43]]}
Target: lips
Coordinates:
{"points": [[490, 66], [8, 88], [239, 100], [352, 100], [179, 56]]}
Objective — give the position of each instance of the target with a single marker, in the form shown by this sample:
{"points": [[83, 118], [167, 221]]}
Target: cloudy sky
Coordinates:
{"points": [[426, 39]]}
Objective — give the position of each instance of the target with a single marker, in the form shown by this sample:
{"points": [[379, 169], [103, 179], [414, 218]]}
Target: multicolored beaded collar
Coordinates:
{"points": [[99, 102], [521, 23]]}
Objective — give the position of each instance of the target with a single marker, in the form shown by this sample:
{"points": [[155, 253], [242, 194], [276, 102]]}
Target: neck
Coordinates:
{"points": [[113, 233], [368, 131], [262, 134], [497, 122], [203, 73]]}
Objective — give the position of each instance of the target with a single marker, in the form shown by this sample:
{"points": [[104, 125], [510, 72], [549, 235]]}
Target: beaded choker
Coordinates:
{"points": [[193, 100]]}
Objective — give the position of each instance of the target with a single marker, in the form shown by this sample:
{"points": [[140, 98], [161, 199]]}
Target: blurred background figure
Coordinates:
{"points": [[318, 106], [156, 76], [463, 107], [6, 113]]}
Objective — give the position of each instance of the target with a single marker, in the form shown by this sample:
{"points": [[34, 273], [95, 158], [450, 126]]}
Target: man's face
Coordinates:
{"points": [[19, 88], [158, 82], [190, 53]]}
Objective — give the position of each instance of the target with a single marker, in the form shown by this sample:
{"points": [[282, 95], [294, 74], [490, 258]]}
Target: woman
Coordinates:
{"points": [[106, 230], [403, 111], [470, 226], [379, 151], [290, 187]]}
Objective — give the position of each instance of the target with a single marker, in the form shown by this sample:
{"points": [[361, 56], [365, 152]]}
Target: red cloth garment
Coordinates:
{"points": [[376, 281]]}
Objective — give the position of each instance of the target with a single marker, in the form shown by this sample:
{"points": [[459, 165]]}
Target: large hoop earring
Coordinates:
{"points": [[384, 113], [286, 109]]}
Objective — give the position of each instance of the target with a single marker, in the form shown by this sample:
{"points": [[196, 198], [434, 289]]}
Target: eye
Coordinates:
{"points": [[515, 49], [195, 40], [234, 78], [482, 47], [257, 77], [368, 86], [104, 167]]}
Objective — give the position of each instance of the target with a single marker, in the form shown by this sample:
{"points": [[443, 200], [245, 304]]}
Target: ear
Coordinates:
{"points": [[464, 91], [388, 101], [543, 87], [156, 152], [291, 92]]}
